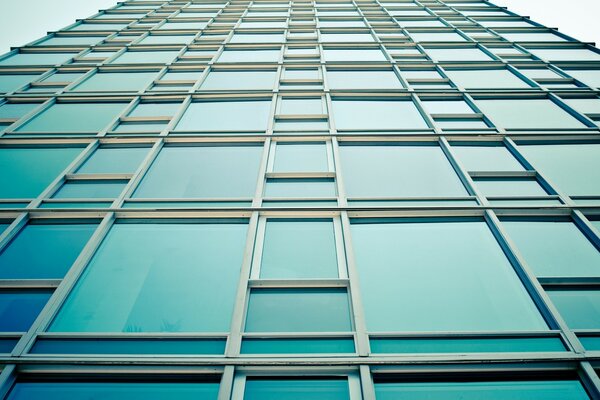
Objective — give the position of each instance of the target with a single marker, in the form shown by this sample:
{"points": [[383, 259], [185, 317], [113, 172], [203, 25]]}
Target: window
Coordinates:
{"points": [[377, 114], [71, 41], [300, 188], [90, 189], [18, 309], [486, 78], [26, 172], [332, 55], [532, 37], [346, 37], [580, 308], [11, 82], [226, 116], [163, 278], [167, 39], [366, 79], [466, 284], [116, 82], [257, 38], [565, 54], [398, 171], [202, 172], [74, 117], [486, 158], [300, 157], [298, 310], [114, 160], [56, 248], [145, 57], [491, 187], [436, 37], [554, 248], [242, 80], [528, 114], [238, 56], [36, 59], [573, 168], [299, 249], [288, 389], [457, 54], [590, 77]]}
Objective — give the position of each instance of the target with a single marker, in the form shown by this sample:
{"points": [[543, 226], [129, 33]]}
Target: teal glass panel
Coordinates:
{"points": [[288, 389], [71, 41], [554, 248], [218, 116], [56, 248], [300, 158], [11, 82], [573, 168], [346, 37], [116, 82], [63, 77], [333, 55], [490, 187], [249, 56], [297, 346], [299, 249], [37, 59], [128, 346], [528, 114], [145, 57], [300, 188], [298, 310], [163, 278], [187, 204], [412, 203], [114, 160], [144, 127], [242, 80], [257, 38], [486, 79], [579, 308], [167, 39], [466, 345], [508, 390], [460, 124], [97, 27], [591, 343], [376, 114], [363, 80], [466, 284], [18, 309], [299, 203], [26, 172], [90, 190], [301, 106], [202, 172], [74, 117], [184, 25], [155, 109], [7, 344], [486, 158], [457, 54], [447, 107], [16, 110], [398, 171], [76, 204], [113, 391]]}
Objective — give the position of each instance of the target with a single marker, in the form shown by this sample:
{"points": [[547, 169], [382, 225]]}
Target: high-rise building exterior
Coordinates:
{"points": [[331, 199]]}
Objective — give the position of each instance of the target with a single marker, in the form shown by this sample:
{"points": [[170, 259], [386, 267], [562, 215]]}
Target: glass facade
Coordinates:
{"points": [[303, 199]]}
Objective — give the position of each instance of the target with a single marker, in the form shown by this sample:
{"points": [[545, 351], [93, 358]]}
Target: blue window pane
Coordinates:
{"points": [[375, 115], [242, 80], [78, 117], [300, 158], [113, 391], [18, 309], [44, 251], [299, 249], [298, 310], [517, 390], [37, 59], [26, 172], [466, 284], [11, 82], [16, 110], [554, 248], [579, 308], [114, 82], [398, 171], [90, 190], [298, 346], [487, 158], [163, 278], [202, 172], [107, 160], [288, 389], [145, 57], [363, 80], [219, 116], [300, 188], [465, 345], [7, 344]]}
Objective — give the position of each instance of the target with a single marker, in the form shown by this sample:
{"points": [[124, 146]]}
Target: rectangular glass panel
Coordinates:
{"points": [[292, 389], [465, 345], [90, 190], [376, 114], [579, 308], [80, 117], [226, 116], [114, 160], [242, 80], [115, 82], [490, 187], [299, 346], [300, 188], [363, 80], [18, 309], [486, 78], [299, 157], [486, 158]]}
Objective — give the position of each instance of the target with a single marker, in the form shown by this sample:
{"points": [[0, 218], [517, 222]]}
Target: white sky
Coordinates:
{"points": [[22, 21]]}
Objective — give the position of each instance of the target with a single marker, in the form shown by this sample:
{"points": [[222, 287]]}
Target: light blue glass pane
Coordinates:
{"points": [[437, 37], [517, 390], [63, 77], [202, 172], [8, 82], [16, 110], [532, 37], [590, 77], [447, 107], [596, 224], [90, 189], [107, 160], [486, 78], [56, 248], [128, 346], [457, 54], [458, 124], [301, 106], [86, 204], [363, 80], [525, 202], [155, 109], [299, 203], [113, 391], [288, 389], [353, 55], [167, 39], [554, 248], [466, 284], [466, 345], [219, 116], [249, 56], [298, 310], [187, 204], [150, 128], [573, 168], [286, 126], [97, 27], [300, 158], [509, 187], [565, 54], [37, 59], [530, 114], [257, 38], [346, 37], [299, 249], [71, 41], [246, 80], [300, 188], [398, 171], [298, 346], [373, 115], [84, 117], [117, 81], [163, 278], [183, 25], [145, 57], [27, 171], [579, 308], [486, 158], [18, 310]]}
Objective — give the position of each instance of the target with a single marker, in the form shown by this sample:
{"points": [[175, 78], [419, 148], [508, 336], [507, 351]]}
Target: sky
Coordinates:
{"points": [[22, 21]]}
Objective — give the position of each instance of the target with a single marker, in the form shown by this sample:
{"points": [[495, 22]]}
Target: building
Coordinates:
{"points": [[336, 199]]}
